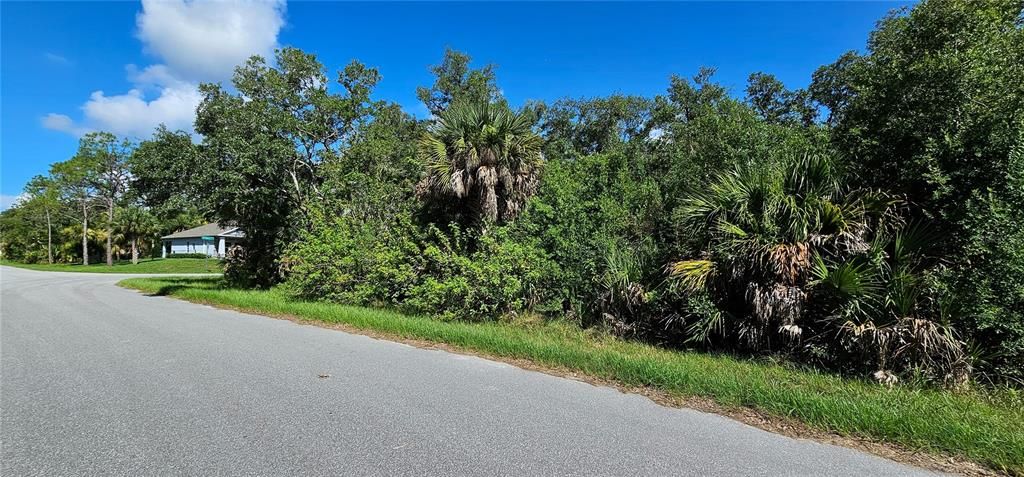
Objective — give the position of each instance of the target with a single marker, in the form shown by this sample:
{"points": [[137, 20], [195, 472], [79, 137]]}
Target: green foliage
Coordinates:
{"points": [[352, 261], [773, 102], [376, 176], [583, 209], [932, 112], [264, 147], [581, 127], [159, 167], [500, 277], [423, 271], [456, 81], [187, 255], [886, 308]]}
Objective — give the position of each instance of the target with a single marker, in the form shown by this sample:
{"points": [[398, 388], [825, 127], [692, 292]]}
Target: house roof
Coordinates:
{"points": [[211, 229]]}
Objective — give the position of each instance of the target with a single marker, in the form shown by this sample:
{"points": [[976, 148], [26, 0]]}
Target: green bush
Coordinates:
{"points": [[187, 255], [501, 276], [353, 261], [398, 264]]}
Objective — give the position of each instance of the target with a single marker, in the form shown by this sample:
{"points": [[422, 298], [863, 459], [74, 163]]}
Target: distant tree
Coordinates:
{"points": [[455, 81], [109, 156], [589, 126], [778, 105], [75, 180], [768, 96], [44, 195], [485, 155], [134, 222], [18, 230]]}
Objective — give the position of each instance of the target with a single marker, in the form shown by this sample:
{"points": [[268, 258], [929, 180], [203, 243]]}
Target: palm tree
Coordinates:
{"points": [[763, 224], [133, 223], [883, 306], [484, 155], [778, 235]]}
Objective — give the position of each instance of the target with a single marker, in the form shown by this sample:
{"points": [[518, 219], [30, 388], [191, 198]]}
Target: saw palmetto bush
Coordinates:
{"points": [[762, 223], [884, 309], [781, 237], [484, 158]]}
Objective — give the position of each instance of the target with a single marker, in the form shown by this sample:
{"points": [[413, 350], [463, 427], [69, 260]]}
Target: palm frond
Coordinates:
{"points": [[692, 275]]}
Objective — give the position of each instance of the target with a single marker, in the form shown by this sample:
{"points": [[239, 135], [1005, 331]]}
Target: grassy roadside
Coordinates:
{"points": [[150, 265], [981, 428]]}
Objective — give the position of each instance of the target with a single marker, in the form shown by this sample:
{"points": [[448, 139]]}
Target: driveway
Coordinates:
{"points": [[97, 379]]}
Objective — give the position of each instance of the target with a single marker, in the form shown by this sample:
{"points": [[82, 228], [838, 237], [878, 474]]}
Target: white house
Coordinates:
{"points": [[211, 239]]}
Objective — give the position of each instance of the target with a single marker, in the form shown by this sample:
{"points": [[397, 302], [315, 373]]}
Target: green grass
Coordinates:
{"points": [[984, 427], [151, 265]]}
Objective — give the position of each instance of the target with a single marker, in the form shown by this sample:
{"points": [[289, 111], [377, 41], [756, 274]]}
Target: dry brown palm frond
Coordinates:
{"points": [[457, 183], [505, 178], [775, 304], [790, 262], [792, 333], [752, 335], [916, 342], [930, 344]]}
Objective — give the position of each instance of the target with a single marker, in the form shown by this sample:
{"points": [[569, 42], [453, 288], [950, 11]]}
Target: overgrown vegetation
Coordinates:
{"points": [[870, 224], [984, 427]]}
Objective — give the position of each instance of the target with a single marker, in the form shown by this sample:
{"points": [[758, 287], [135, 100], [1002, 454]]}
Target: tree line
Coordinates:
{"points": [[869, 224], [89, 209]]}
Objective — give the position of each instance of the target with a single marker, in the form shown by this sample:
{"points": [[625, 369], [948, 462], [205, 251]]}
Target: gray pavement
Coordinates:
{"points": [[99, 380]]}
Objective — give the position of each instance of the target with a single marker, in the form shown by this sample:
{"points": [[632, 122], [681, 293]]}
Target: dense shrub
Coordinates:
{"points": [[451, 274], [499, 276], [932, 112], [187, 255], [353, 261], [585, 208]]}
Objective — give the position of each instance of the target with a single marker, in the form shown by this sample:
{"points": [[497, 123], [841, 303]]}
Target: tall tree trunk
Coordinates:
{"points": [[110, 233], [49, 238], [85, 234], [135, 250]]}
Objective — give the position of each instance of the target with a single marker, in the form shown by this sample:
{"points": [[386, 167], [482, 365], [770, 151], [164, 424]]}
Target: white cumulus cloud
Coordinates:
{"points": [[132, 115], [205, 40], [61, 122], [196, 41]]}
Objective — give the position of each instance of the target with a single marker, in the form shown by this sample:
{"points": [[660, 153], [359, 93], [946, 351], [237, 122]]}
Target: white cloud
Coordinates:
{"points": [[197, 41], [57, 59], [205, 40], [132, 115], [154, 76], [8, 201], [63, 123]]}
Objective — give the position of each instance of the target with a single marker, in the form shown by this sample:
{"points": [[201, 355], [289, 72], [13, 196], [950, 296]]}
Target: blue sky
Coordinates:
{"points": [[67, 68]]}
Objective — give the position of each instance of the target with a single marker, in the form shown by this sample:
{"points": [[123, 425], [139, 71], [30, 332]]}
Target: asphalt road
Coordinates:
{"points": [[99, 380]]}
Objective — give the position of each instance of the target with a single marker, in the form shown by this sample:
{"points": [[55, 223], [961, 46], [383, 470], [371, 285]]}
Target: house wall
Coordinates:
{"points": [[191, 245]]}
